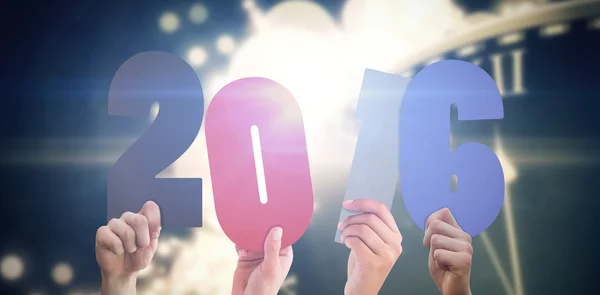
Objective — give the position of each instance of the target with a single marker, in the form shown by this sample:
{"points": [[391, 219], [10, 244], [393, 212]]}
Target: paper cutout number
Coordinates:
{"points": [[230, 116], [426, 162], [142, 80]]}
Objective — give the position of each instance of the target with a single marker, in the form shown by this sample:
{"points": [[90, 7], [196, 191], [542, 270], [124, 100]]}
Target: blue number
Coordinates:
{"points": [[141, 81], [426, 162]]}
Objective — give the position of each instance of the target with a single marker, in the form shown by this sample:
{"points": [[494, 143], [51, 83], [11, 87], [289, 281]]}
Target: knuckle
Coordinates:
{"points": [[468, 238], [469, 249], [445, 212], [435, 225], [112, 221], [101, 231], [370, 218], [466, 260], [381, 207], [362, 229], [129, 234], [140, 220]]}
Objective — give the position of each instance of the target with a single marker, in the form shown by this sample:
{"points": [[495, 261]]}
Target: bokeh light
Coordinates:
{"points": [[197, 56], [12, 267], [225, 44], [198, 13], [169, 22], [62, 273]]}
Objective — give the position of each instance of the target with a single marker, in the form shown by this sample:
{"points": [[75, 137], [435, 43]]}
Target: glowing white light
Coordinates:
{"points": [[62, 273], [153, 111], [169, 22], [197, 56], [12, 267], [225, 44], [307, 15], [198, 13]]}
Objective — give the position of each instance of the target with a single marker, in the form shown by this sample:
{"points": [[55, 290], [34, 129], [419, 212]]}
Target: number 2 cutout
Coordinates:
{"points": [[141, 81], [426, 162], [258, 162]]}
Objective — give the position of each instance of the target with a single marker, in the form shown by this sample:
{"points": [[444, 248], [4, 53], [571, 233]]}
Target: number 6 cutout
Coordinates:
{"points": [[426, 162]]}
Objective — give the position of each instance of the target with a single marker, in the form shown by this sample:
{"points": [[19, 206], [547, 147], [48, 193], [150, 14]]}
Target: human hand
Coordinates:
{"points": [[375, 244], [125, 246], [450, 253], [263, 273]]}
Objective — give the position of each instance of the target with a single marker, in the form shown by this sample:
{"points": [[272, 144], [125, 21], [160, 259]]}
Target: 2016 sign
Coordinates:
{"points": [[256, 123]]}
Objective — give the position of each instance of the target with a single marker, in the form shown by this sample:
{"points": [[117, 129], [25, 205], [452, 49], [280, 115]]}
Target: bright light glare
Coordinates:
{"points": [[301, 46], [197, 56], [169, 22], [198, 13], [225, 44], [12, 267]]}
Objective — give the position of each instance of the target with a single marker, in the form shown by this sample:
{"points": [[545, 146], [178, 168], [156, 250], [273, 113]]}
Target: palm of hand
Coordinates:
{"points": [[444, 280], [126, 263], [249, 273], [355, 275]]}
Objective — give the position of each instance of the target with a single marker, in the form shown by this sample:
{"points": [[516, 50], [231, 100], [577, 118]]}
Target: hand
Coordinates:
{"points": [[263, 273], [450, 253], [375, 244], [125, 246]]}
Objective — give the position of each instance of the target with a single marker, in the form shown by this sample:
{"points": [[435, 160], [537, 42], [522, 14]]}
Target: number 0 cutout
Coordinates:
{"points": [[426, 162], [258, 116]]}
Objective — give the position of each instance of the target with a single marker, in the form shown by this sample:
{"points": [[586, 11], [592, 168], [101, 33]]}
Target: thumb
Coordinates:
{"points": [[272, 247]]}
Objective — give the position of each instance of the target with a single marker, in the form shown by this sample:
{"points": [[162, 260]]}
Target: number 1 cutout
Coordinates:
{"points": [[374, 172], [258, 162], [141, 81], [426, 161]]}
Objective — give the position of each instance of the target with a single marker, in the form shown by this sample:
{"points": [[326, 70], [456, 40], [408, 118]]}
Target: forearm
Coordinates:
{"points": [[118, 286]]}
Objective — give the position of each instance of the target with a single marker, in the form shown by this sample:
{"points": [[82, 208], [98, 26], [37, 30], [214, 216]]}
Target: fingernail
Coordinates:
{"points": [[348, 202], [339, 226], [277, 233], [242, 253]]}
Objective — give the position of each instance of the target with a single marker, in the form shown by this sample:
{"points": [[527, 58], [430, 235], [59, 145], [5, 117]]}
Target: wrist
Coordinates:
{"points": [[121, 285]]}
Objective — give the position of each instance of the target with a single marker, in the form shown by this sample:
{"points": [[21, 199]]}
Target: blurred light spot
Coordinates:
{"points": [[197, 56], [198, 13], [169, 22], [510, 39], [595, 24], [62, 273], [554, 30], [12, 267], [468, 50], [225, 44]]}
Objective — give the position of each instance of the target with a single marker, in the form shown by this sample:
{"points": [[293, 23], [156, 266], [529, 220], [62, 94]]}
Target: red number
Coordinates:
{"points": [[230, 118]]}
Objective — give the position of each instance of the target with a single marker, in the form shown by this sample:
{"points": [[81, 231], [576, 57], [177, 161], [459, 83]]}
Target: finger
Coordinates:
{"points": [[358, 246], [125, 233], [272, 248], [152, 212], [367, 235], [377, 208], [106, 239], [286, 252], [440, 227], [444, 215], [458, 263], [139, 223], [375, 223], [450, 244]]}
